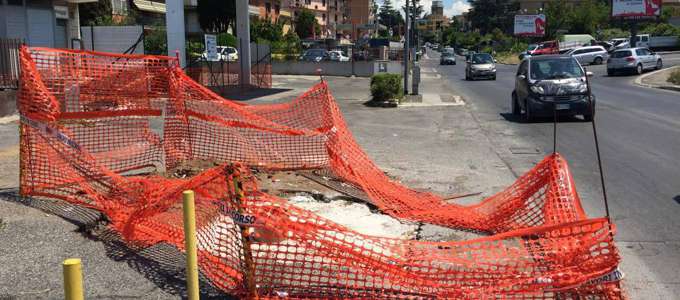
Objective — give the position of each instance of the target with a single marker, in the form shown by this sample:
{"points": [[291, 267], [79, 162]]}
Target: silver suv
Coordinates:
{"points": [[633, 59], [590, 55]]}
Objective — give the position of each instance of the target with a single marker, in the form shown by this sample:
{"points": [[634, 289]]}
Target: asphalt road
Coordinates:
{"points": [[639, 135]]}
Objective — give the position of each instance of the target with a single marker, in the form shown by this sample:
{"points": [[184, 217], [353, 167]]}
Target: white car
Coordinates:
{"points": [[224, 53], [633, 59], [337, 55], [594, 55]]}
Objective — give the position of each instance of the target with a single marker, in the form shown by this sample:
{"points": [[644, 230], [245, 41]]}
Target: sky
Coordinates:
{"points": [[451, 7]]}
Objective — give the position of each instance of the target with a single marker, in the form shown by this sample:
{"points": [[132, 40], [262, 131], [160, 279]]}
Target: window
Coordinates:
{"points": [[268, 8], [323, 2], [621, 54], [119, 7], [323, 17], [277, 9], [557, 68], [308, 2], [640, 52], [336, 18]]}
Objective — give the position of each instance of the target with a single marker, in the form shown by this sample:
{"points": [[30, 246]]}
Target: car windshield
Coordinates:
{"points": [[445, 54], [620, 54], [532, 47], [482, 59], [556, 68]]}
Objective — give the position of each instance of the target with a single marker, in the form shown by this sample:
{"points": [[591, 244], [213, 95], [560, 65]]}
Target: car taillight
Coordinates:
{"points": [[630, 59]]}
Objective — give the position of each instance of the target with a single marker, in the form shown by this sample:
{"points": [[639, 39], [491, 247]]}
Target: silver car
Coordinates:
{"points": [[594, 55], [633, 59]]}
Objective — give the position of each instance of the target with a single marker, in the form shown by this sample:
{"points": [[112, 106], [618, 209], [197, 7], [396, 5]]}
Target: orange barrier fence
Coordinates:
{"points": [[100, 130]]}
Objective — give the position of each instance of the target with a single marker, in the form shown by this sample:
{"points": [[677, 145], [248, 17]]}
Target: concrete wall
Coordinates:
{"points": [[330, 68], [114, 39]]}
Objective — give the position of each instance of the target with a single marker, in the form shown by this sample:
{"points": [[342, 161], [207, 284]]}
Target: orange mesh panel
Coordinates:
{"points": [[91, 121]]}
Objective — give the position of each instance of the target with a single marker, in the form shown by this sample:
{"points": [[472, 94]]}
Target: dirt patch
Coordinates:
{"points": [[189, 168]]}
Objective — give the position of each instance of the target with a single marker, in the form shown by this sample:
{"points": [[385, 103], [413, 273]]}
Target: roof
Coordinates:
{"points": [[547, 57]]}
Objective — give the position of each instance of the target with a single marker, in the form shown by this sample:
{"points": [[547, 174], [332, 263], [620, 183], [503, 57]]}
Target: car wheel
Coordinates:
{"points": [[527, 112], [598, 61], [516, 110], [638, 69], [659, 64]]}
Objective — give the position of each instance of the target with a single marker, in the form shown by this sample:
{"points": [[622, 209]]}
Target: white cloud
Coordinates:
{"points": [[457, 7]]}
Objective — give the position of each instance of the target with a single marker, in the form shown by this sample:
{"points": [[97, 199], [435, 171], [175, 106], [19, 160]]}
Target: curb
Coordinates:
{"points": [[638, 81]]}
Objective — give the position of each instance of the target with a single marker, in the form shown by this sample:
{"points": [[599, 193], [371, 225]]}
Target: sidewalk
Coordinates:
{"points": [[441, 149], [658, 79]]}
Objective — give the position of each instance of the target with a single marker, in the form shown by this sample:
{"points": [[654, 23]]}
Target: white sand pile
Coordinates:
{"points": [[357, 217]]}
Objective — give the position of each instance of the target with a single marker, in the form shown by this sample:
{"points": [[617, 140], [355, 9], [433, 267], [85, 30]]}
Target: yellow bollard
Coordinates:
{"points": [[190, 245], [73, 279]]}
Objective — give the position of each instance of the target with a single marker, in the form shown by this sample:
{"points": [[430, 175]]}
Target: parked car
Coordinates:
{"points": [[549, 84], [633, 59], [225, 53], [657, 42], [480, 65], [461, 51], [606, 45], [314, 55], [594, 55], [337, 55], [447, 59]]}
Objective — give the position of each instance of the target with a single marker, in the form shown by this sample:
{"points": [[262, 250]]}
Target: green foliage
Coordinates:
{"points": [[156, 41], [386, 86], [305, 23], [390, 17], [674, 78], [662, 29], [486, 15], [99, 14], [289, 47], [226, 39], [265, 30], [194, 48], [612, 33], [588, 16], [216, 15]]}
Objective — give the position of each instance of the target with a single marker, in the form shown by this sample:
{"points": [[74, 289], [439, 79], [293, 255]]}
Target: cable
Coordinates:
{"points": [[597, 148], [554, 126]]}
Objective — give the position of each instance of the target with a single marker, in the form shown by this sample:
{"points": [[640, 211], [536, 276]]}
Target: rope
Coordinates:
{"points": [[597, 148], [554, 126]]}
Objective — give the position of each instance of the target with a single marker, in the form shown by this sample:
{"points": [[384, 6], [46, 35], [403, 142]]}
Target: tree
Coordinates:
{"points": [[486, 15], [557, 17], [305, 23], [390, 17], [216, 15], [265, 30], [588, 17]]}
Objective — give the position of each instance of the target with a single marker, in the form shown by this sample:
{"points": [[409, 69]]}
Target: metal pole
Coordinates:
{"points": [[406, 49], [73, 279], [243, 33], [633, 33], [190, 245]]}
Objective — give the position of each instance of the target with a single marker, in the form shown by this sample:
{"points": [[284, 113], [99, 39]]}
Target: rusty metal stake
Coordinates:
{"points": [[247, 250]]}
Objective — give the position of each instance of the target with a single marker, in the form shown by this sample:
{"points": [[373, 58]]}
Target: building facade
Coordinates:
{"points": [[436, 21], [361, 21], [329, 14]]}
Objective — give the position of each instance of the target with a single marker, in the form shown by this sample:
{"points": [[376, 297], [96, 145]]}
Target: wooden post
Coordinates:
{"points": [[73, 279], [190, 245]]}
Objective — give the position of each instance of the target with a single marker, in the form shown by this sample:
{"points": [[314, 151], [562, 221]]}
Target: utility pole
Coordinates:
{"points": [[406, 48]]}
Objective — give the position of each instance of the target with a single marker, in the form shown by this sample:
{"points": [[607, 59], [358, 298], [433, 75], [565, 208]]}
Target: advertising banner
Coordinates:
{"points": [[636, 8], [530, 25]]}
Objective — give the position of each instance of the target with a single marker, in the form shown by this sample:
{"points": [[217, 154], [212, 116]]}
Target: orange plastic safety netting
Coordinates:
{"points": [[92, 123]]}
